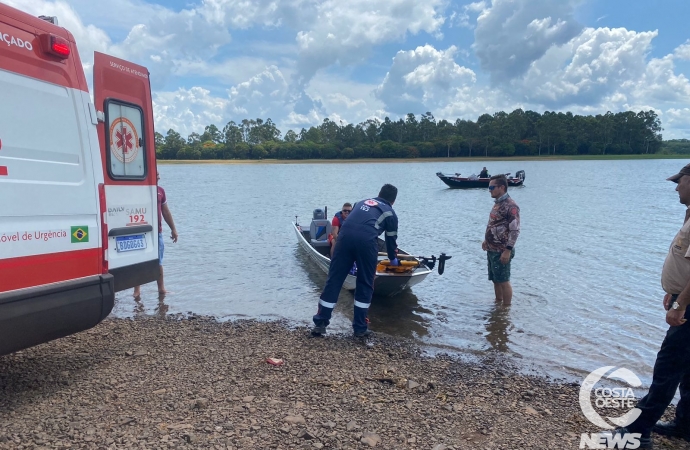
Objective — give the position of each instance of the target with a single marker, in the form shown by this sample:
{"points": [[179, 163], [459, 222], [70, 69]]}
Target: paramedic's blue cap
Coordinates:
{"points": [[684, 171]]}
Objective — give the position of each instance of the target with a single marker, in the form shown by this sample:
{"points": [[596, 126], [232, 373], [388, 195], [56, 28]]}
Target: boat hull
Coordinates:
{"points": [[385, 284], [474, 183]]}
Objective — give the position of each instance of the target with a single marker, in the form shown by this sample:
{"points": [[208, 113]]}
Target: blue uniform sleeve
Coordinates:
{"points": [[391, 233]]}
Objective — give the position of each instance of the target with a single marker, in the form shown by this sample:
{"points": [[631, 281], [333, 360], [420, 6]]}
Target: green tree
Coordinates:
{"points": [[172, 144], [232, 135], [291, 136], [159, 142], [211, 133]]}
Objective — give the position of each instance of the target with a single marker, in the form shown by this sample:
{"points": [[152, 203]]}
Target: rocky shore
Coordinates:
{"points": [[155, 383]]}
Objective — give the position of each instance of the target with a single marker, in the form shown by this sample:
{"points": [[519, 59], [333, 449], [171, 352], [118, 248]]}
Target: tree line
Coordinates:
{"points": [[519, 133], [676, 147]]}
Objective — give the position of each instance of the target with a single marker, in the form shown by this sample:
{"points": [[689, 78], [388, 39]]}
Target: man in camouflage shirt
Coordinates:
{"points": [[502, 231]]}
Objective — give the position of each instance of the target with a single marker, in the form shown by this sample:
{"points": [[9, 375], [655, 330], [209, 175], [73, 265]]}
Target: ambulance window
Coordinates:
{"points": [[126, 155]]}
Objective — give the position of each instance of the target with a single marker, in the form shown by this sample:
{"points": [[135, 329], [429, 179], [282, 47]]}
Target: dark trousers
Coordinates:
{"points": [[350, 249], [671, 371]]}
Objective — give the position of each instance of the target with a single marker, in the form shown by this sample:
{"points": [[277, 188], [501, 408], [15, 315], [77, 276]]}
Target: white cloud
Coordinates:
{"points": [[264, 95], [462, 18], [586, 68], [229, 71], [602, 68], [188, 110], [247, 13], [129, 12], [158, 38], [259, 96], [89, 38], [511, 34], [683, 51], [423, 79], [297, 121], [345, 102], [345, 32], [660, 84], [339, 95], [678, 120], [170, 39]]}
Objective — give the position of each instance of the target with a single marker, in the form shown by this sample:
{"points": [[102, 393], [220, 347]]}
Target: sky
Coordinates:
{"points": [[301, 61]]}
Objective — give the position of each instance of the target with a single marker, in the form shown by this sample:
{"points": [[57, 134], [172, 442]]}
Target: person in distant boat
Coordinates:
{"points": [[484, 173], [672, 366], [163, 213], [501, 234], [336, 223], [358, 242]]}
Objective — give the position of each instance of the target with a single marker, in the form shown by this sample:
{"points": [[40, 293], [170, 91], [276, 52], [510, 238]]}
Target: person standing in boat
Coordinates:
{"points": [[502, 232], [336, 223], [358, 242], [484, 173]]}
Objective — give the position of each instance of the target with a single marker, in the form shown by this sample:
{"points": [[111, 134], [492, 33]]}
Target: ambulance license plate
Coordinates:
{"points": [[129, 243]]}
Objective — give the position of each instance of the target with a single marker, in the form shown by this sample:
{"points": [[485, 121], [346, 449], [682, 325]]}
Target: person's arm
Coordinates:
{"points": [[513, 218], [391, 233], [167, 215], [335, 227], [675, 317]]}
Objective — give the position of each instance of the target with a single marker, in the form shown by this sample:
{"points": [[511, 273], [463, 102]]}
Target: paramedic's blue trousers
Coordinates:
{"points": [[671, 371], [349, 249]]}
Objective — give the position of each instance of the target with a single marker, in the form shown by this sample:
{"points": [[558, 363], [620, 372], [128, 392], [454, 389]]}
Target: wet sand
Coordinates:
{"points": [[197, 383]]}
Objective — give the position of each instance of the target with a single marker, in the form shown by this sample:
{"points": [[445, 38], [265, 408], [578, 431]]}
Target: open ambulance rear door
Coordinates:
{"points": [[52, 279], [128, 197]]}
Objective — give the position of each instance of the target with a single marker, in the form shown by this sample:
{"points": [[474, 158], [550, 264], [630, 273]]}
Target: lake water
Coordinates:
{"points": [[585, 275]]}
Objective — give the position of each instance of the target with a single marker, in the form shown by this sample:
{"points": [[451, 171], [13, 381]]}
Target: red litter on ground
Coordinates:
{"points": [[274, 361]]}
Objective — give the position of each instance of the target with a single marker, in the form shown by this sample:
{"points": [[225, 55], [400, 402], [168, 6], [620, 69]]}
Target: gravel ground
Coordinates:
{"points": [[198, 383]]}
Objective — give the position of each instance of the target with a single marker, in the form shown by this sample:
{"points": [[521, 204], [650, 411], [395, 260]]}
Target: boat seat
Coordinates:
{"points": [[319, 231]]}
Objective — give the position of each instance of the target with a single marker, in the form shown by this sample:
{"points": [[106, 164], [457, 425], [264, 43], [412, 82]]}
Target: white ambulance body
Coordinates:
{"points": [[78, 200]]}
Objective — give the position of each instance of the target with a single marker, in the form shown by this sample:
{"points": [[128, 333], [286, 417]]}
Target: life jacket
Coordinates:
{"points": [[341, 219]]}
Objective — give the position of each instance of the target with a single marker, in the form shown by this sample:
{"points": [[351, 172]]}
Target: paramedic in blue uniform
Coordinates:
{"points": [[357, 242]]}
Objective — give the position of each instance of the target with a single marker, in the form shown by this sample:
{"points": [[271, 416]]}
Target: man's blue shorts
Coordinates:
{"points": [[161, 246]]}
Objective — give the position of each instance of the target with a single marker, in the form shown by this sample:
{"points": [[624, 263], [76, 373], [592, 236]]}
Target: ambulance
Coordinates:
{"points": [[78, 196]]}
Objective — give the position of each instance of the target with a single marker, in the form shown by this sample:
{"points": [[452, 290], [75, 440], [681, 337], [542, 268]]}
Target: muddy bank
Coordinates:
{"points": [[196, 383]]}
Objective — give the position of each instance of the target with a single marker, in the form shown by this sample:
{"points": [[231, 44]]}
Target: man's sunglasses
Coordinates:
{"points": [[346, 210], [491, 188]]}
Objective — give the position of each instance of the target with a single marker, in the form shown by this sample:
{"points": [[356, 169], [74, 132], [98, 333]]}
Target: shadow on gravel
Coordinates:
{"points": [[36, 373]]}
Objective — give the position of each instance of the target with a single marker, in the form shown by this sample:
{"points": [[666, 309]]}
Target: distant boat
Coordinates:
{"points": [[388, 281], [455, 181]]}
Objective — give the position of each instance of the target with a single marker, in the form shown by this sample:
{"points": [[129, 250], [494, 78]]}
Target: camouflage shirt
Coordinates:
{"points": [[503, 228]]}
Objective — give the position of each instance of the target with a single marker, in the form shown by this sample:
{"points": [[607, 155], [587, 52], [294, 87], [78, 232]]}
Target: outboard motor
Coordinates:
{"points": [[430, 262], [442, 263], [520, 174]]}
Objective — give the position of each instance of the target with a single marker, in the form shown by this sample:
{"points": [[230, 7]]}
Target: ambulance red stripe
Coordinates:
{"points": [[30, 271]]}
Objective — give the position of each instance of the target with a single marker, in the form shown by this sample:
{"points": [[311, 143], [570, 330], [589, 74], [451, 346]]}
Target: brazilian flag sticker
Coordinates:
{"points": [[80, 234]]}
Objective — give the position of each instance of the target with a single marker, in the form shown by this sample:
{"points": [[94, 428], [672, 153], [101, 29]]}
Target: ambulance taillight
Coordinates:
{"points": [[55, 45]]}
